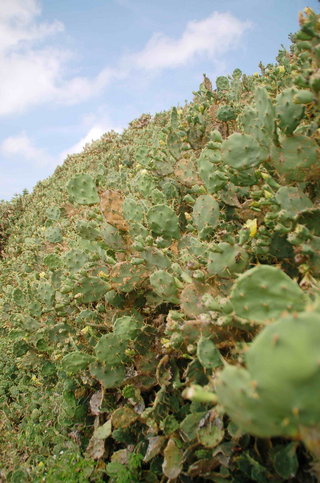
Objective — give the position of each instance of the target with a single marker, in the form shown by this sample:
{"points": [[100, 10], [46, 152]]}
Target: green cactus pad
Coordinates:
{"points": [[208, 355], [288, 113], [155, 258], [109, 377], [76, 361], [213, 178], [111, 350], [45, 293], [82, 190], [112, 237], [144, 183], [163, 221], [292, 199], [222, 83], [264, 292], [133, 211], [164, 285], [18, 297], [52, 261], [265, 110], [242, 151], [205, 213], [191, 299], [75, 260], [90, 289], [125, 277], [235, 389], [126, 328], [53, 235], [303, 96], [297, 158], [226, 113], [278, 393], [227, 259], [53, 213], [87, 230]]}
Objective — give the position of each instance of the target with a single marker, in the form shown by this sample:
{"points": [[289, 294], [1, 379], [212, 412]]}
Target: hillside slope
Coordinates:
{"points": [[160, 293]]}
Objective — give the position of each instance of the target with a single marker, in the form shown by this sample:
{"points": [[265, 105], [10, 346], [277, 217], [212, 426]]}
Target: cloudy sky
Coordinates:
{"points": [[71, 70]]}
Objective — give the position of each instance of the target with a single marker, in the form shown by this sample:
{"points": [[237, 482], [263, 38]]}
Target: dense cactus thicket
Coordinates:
{"points": [[160, 294]]}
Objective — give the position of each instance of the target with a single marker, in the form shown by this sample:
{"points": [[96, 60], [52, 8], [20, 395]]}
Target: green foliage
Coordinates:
{"points": [[81, 189], [158, 326]]}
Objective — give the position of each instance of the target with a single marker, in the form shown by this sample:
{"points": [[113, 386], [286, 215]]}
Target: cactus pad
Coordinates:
{"points": [[82, 190], [263, 293]]}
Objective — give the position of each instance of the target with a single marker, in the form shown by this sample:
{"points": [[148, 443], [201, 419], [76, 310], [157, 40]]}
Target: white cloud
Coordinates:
{"points": [[18, 25], [210, 37], [21, 146], [95, 132], [32, 70]]}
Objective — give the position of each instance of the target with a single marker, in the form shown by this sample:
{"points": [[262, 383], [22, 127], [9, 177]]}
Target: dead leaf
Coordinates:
{"points": [[111, 207], [173, 459], [96, 449], [123, 417], [95, 402], [156, 444]]}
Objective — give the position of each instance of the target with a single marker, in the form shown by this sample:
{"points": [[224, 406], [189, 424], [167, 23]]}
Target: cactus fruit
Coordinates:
{"points": [[264, 292], [82, 190], [242, 151]]}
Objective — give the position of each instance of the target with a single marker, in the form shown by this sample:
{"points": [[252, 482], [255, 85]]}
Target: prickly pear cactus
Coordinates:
{"points": [[267, 401], [159, 299]]}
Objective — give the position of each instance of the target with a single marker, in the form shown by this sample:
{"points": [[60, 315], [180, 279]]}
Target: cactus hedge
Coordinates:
{"points": [[160, 305]]}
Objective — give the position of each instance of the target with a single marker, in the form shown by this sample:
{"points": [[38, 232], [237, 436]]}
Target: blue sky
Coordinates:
{"points": [[71, 70]]}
